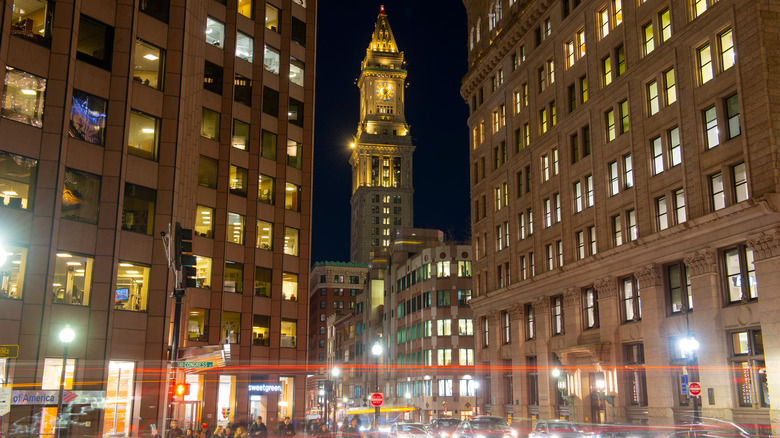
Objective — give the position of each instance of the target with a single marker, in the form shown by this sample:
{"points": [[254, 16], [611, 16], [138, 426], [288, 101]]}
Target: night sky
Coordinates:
{"points": [[433, 39]]}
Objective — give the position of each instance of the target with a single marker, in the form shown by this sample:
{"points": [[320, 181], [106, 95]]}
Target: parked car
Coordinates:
{"points": [[558, 429], [484, 427], [409, 430], [443, 427]]}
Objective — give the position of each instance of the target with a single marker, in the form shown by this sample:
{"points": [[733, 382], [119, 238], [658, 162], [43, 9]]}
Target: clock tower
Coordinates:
{"points": [[382, 149]]}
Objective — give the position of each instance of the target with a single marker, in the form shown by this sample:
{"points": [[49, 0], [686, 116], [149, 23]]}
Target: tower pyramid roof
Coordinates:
{"points": [[383, 40]]}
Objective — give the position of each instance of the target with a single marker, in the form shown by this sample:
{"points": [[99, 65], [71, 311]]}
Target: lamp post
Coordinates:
{"points": [[324, 405], [66, 337], [476, 399], [562, 388], [376, 350], [336, 372], [688, 346], [408, 398]]}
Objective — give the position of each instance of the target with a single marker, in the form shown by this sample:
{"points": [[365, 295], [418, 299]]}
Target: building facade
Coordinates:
{"points": [[624, 196], [119, 118], [382, 149]]}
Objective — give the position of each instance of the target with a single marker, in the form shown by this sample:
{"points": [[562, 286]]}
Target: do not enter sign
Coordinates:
{"points": [[377, 399], [694, 389]]}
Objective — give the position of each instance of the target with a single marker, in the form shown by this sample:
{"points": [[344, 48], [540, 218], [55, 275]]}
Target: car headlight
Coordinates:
{"points": [[479, 436], [444, 434], [514, 433], [507, 436]]}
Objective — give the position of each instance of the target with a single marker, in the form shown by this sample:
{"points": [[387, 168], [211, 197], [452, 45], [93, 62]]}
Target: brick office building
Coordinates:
{"points": [[624, 193]]}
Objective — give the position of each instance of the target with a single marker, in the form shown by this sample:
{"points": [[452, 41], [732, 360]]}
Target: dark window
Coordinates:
{"points": [[271, 101], [87, 118], [156, 8], [635, 375], [298, 32], [443, 298], [243, 90], [295, 112], [212, 77], [263, 282], [138, 209], [207, 172], [532, 380], [80, 196], [268, 145], [95, 42], [678, 281]]}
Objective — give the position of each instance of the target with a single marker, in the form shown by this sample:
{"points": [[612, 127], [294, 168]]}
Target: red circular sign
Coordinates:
{"points": [[377, 399], [694, 388]]}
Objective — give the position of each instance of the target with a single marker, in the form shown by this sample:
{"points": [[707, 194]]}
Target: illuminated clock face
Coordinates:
{"points": [[385, 90]]}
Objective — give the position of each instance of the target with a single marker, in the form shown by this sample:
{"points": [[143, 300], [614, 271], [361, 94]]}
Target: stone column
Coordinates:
{"points": [[547, 408], [706, 324], [658, 375], [766, 257], [609, 324]]}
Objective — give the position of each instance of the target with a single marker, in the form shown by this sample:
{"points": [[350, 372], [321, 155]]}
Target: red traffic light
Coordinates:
{"points": [[182, 389]]}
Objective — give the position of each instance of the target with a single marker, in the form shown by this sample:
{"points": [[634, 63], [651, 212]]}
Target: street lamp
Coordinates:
{"points": [[66, 337], [562, 388], [688, 346], [335, 372], [476, 399], [376, 350]]}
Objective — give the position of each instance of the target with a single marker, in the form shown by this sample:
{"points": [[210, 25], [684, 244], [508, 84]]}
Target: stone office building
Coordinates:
{"points": [[118, 118], [625, 197]]}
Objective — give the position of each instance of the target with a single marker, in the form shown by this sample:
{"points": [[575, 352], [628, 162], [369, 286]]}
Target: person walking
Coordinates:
{"points": [[258, 429], [353, 429], [174, 431], [219, 432], [286, 428]]}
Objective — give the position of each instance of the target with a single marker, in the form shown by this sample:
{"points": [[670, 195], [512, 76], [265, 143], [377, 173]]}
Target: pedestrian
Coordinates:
{"points": [[190, 434], [219, 432], [241, 432], [229, 432], [286, 428], [258, 429], [174, 431], [155, 433], [353, 429], [323, 430]]}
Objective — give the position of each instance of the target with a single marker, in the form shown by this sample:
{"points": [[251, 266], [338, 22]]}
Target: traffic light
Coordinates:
{"points": [[182, 253], [181, 389]]}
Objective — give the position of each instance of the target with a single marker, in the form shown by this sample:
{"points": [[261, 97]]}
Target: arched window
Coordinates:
{"points": [[492, 18], [499, 11], [471, 39], [479, 28]]}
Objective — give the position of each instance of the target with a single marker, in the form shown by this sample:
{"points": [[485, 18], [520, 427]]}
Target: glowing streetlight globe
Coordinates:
{"points": [[67, 334], [376, 349]]}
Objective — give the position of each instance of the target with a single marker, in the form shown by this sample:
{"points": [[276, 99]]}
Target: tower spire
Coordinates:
{"points": [[383, 40]]}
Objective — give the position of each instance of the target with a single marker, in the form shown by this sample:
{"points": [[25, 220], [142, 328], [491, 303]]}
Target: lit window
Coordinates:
{"points": [[606, 70], [148, 64], [679, 287], [665, 23], [23, 97], [591, 308], [231, 328], [658, 155], [234, 277], [611, 130], [198, 325], [679, 206], [261, 330], [740, 183], [718, 194], [726, 50], [289, 286], [732, 116], [740, 274], [245, 47], [628, 171], [661, 213], [12, 273], [670, 87], [272, 18], [291, 241], [33, 20], [632, 310], [711, 127], [271, 59], [238, 181], [295, 112], [633, 232], [292, 197], [240, 138], [80, 196], [72, 279], [652, 97], [204, 221], [215, 32], [648, 38], [604, 22], [143, 137], [577, 197], [138, 209], [621, 60], [675, 149], [212, 77], [235, 228], [17, 180], [617, 231], [614, 185], [245, 8], [296, 71], [203, 272], [132, 287], [557, 315], [617, 8], [209, 125], [294, 154], [624, 117], [705, 64], [265, 235]]}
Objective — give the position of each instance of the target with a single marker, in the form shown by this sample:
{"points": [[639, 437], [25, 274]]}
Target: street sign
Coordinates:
{"points": [[694, 388], [5, 401], [684, 384], [195, 364], [11, 351], [376, 399]]}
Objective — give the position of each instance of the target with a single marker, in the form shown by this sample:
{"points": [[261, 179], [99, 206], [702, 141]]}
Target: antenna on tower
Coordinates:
{"points": [[381, 9]]}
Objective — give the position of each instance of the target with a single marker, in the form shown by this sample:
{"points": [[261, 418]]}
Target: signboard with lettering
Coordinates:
{"points": [[5, 401], [51, 397], [195, 364], [10, 351], [263, 388], [684, 384]]}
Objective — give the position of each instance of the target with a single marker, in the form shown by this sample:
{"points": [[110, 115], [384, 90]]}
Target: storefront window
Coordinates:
{"points": [[296, 71], [245, 8], [215, 32], [286, 396], [87, 117], [95, 42], [17, 180], [198, 325], [3, 371], [143, 135], [289, 286], [138, 209], [80, 196], [271, 18], [289, 333], [265, 235], [209, 124], [118, 415], [294, 154], [12, 271], [292, 197], [265, 189], [240, 134], [231, 327], [226, 400], [148, 64], [261, 329], [245, 46], [291, 241], [32, 19], [271, 59], [52, 372], [263, 282], [234, 277], [202, 272], [242, 92], [72, 279], [23, 97], [204, 221], [238, 180], [207, 172], [268, 146], [235, 228], [132, 287]]}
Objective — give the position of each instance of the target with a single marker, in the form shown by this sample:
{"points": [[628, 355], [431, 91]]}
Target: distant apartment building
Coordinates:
{"points": [[624, 198], [118, 119]]}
